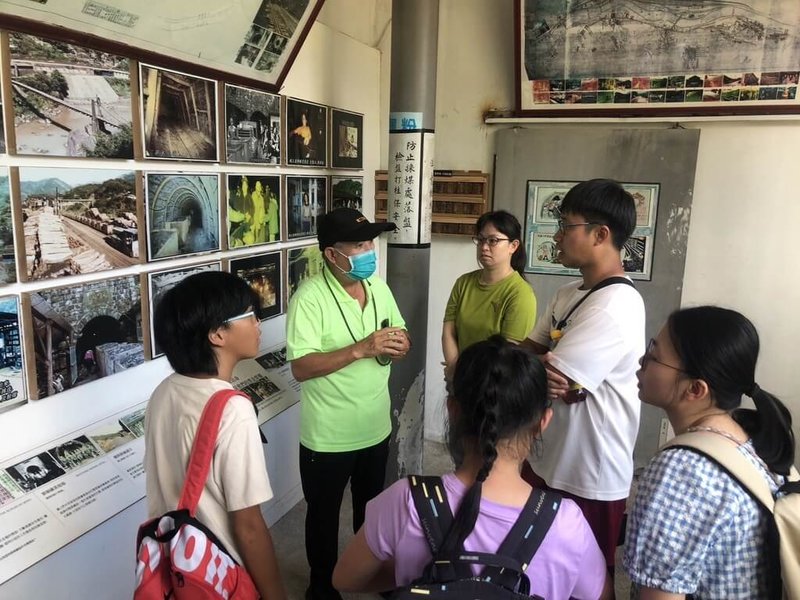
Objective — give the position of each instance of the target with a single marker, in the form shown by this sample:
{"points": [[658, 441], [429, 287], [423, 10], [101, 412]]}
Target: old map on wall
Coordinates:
{"points": [[623, 54]]}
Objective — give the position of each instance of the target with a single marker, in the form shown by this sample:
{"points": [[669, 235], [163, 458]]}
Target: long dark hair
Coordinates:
{"points": [[508, 225], [500, 391], [720, 346]]}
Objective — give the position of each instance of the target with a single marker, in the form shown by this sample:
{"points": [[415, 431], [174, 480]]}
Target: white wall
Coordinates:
{"points": [[332, 69]]}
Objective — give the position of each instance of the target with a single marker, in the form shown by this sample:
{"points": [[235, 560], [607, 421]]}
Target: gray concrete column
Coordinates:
{"points": [[412, 106]]}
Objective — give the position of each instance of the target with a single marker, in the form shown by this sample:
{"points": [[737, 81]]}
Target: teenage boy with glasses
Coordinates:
{"points": [[591, 338]]}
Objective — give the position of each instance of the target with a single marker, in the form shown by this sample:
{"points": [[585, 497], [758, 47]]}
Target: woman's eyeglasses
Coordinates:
{"points": [[648, 356], [491, 241]]}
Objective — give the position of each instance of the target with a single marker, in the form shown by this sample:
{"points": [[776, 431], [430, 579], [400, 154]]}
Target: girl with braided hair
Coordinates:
{"points": [[693, 529], [497, 408]]}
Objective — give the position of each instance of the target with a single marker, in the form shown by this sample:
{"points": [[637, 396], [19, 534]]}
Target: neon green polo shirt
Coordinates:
{"points": [[349, 409], [507, 307]]}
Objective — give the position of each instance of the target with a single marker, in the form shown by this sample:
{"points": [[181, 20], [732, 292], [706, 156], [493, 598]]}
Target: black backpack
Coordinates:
{"points": [[449, 575]]}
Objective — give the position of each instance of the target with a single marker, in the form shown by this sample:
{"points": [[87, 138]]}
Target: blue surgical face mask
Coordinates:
{"points": [[362, 265]]}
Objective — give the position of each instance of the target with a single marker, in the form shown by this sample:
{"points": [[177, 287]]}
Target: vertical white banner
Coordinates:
{"points": [[410, 187]]}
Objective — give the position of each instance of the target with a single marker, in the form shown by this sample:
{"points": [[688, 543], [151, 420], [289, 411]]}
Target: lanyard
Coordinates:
{"points": [[339, 306]]}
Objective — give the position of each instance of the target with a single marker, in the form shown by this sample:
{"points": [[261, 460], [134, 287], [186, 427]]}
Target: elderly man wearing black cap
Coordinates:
{"points": [[343, 331]]}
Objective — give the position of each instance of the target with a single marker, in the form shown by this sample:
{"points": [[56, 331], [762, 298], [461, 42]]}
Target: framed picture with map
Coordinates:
{"points": [[708, 57]]}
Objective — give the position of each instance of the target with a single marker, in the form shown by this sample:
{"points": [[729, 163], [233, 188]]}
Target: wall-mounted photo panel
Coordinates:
{"points": [[254, 214], [182, 214], [2, 124], [69, 100], [77, 221], [161, 282], [306, 133], [346, 192], [302, 263], [252, 126], [8, 263], [263, 273], [347, 140], [83, 332], [179, 115], [306, 199], [12, 373]]}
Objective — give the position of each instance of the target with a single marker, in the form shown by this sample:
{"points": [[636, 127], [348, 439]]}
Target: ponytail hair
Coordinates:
{"points": [[509, 226], [720, 346], [499, 391]]}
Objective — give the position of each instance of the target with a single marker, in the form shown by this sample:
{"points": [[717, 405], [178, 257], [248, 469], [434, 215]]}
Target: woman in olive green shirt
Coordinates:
{"points": [[495, 298]]}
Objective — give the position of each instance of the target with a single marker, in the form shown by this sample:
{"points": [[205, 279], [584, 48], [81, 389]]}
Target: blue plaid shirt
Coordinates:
{"points": [[694, 530]]}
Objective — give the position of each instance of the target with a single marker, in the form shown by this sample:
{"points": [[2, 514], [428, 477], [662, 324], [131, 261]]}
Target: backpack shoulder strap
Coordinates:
{"points": [[205, 440], [528, 532], [433, 509], [721, 451], [598, 286]]}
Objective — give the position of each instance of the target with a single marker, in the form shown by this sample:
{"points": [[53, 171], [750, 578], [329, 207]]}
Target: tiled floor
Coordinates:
{"points": [[288, 535]]}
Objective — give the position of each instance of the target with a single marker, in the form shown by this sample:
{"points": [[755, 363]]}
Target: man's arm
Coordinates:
{"points": [[258, 554], [534, 347], [389, 341]]}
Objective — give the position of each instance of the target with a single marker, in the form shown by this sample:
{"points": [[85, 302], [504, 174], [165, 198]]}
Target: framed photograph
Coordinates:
{"points": [[252, 126], [347, 139], [306, 199], [302, 263], [182, 214], [179, 115], [254, 213], [541, 224], [346, 192], [253, 40], [8, 261], [2, 129], [69, 100], [83, 332], [263, 273], [12, 365], [604, 59], [306, 133], [77, 221], [160, 282]]}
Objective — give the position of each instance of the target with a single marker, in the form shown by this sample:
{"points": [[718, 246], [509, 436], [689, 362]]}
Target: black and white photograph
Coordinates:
{"points": [[254, 214], [306, 199], [182, 214], [34, 472], [263, 273], [272, 360], [8, 263], [347, 139], [78, 221], [69, 100], [161, 282], [274, 23], [134, 422], [346, 192], [252, 126], [260, 388], [74, 453], [306, 133], [301, 264], [84, 332], [110, 436], [637, 256], [12, 375], [179, 115]]}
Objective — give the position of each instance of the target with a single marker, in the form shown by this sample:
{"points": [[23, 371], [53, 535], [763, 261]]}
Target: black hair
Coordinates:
{"points": [[196, 306], [508, 225], [720, 346], [603, 201], [500, 392]]}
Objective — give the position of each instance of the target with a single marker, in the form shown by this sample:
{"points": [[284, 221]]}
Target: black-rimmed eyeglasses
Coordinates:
{"points": [[562, 226], [491, 241], [648, 356]]}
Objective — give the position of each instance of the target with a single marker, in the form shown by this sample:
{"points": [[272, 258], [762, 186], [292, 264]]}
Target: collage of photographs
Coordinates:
{"points": [[59, 219]]}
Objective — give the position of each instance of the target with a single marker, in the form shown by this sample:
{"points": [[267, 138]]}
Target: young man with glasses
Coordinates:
{"points": [[206, 324], [343, 329], [591, 338]]}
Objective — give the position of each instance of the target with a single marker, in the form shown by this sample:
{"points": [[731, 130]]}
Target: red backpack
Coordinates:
{"points": [[179, 557]]}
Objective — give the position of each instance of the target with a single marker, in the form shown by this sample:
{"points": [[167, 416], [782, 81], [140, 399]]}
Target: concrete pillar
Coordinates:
{"points": [[412, 105]]}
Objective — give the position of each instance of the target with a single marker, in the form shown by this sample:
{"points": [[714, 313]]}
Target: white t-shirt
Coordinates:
{"points": [[588, 447], [238, 476]]}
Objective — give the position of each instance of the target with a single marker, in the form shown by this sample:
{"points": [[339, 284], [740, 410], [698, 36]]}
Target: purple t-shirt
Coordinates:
{"points": [[568, 564]]}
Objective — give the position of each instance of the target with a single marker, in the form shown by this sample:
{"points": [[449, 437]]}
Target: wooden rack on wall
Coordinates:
{"points": [[459, 198]]}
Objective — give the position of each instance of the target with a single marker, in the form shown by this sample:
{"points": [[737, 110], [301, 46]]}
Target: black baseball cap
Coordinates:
{"points": [[348, 225]]}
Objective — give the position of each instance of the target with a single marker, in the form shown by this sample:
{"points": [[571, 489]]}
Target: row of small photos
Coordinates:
{"points": [[64, 337], [77, 221], [68, 100]]}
